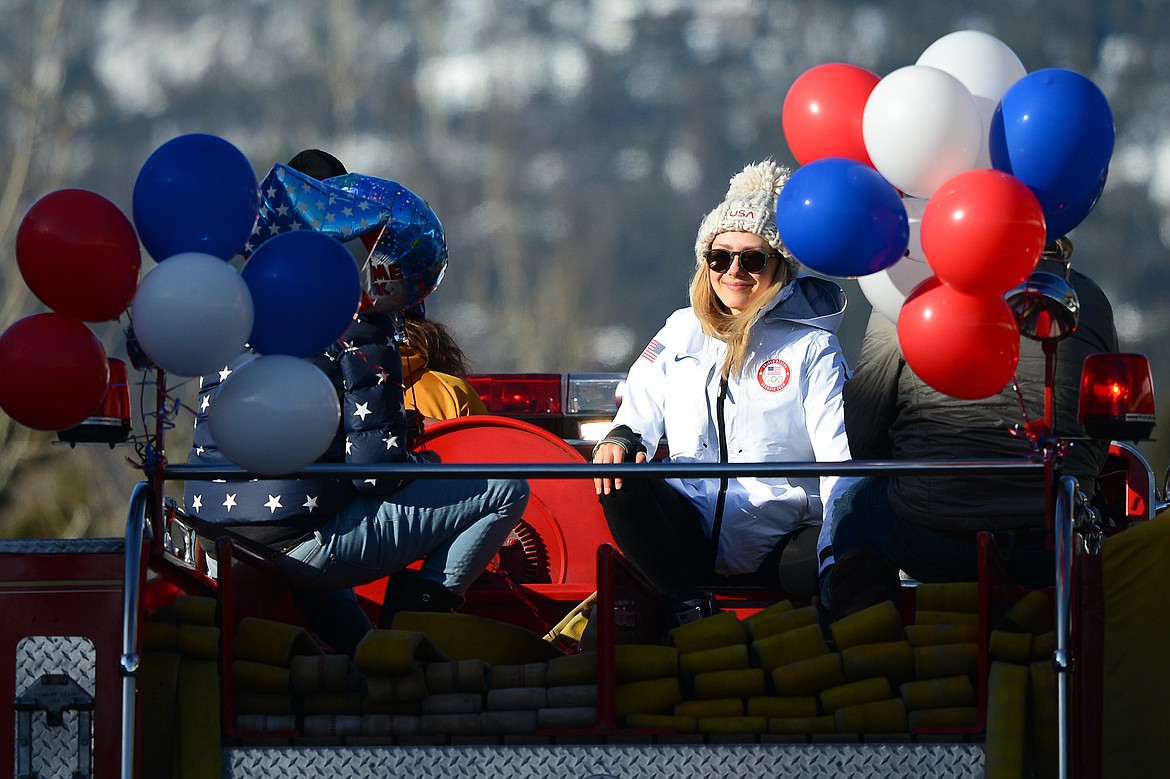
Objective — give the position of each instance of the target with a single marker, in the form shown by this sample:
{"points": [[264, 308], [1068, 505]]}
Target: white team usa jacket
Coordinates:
{"points": [[784, 406]]}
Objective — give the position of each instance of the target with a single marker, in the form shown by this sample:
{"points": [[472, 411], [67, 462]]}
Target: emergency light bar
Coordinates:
{"points": [[1117, 397], [578, 407]]}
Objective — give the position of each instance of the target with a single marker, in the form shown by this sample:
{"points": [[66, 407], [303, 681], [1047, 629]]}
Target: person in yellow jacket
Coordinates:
{"points": [[434, 370]]}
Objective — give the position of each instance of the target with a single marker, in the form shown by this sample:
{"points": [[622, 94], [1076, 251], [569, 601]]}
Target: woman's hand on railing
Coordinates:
{"points": [[611, 453]]}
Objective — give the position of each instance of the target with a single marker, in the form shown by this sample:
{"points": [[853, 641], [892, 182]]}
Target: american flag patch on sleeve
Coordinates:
{"points": [[652, 350]]}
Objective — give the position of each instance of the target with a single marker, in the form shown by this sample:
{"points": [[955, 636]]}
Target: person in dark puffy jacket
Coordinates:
{"points": [[926, 525], [326, 536]]}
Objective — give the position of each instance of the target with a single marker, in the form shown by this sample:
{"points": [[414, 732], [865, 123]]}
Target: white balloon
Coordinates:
{"points": [[192, 314], [887, 289], [984, 64], [914, 207], [921, 126], [275, 414]]}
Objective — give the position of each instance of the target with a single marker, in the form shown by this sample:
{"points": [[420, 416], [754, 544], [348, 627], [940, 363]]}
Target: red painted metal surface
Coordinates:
{"points": [[65, 594]]}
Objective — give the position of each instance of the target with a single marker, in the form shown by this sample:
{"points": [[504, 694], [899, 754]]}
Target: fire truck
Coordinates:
{"points": [[124, 657]]}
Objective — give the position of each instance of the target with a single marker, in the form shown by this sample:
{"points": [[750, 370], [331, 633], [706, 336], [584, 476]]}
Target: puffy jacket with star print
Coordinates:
{"points": [[366, 370]]}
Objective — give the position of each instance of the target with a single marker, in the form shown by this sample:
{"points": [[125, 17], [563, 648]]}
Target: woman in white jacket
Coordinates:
{"points": [[751, 372]]}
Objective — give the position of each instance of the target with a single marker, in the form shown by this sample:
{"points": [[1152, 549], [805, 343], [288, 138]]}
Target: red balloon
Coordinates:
{"points": [[53, 371], [983, 232], [965, 346], [822, 113], [79, 255]]}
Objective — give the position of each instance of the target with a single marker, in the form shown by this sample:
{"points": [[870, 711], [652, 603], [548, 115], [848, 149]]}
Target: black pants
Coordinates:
{"points": [[662, 535]]}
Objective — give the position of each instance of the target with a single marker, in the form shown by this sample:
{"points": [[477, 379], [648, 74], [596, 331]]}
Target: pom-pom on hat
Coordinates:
{"points": [[750, 207]]}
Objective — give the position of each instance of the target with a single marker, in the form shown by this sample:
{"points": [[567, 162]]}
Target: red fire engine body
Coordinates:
{"points": [[76, 642]]}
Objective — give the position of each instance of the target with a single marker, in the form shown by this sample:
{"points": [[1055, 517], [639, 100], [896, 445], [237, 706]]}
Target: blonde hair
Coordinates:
{"points": [[718, 321]]}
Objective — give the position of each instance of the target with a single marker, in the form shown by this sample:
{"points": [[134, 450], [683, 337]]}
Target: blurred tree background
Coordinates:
{"points": [[570, 148]]}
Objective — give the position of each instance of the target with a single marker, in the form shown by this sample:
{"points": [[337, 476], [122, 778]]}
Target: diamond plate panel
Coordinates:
{"points": [[62, 546], [611, 761], [54, 749]]}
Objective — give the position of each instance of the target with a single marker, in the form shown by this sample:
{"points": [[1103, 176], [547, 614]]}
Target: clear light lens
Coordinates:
{"points": [[594, 394], [594, 431]]}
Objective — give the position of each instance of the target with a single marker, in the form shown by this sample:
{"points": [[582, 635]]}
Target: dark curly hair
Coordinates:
{"points": [[432, 340]]}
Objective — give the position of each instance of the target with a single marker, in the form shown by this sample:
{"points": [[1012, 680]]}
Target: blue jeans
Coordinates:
{"points": [[454, 526], [867, 521]]}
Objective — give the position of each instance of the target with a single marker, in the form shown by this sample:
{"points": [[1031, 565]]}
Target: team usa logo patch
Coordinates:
{"points": [[774, 375], [652, 350]]}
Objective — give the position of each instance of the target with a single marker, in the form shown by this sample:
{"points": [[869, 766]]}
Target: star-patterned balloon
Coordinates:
{"points": [[409, 255], [291, 200], [408, 249]]}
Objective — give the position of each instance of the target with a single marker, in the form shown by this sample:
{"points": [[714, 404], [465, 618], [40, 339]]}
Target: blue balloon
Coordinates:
{"points": [[195, 193], [1060, 218], [842, 218], [1053, 130], [305, 290]]}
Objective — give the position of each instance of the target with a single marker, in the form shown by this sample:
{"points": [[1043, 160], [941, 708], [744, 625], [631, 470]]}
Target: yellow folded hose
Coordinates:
{"points": [[940, 660], [572, 669], [662, 722], [950, 596], [944, 693], [199, 727], [790, 647], [390, 652], [808, 677], [1044, 724], [774, 706], [1043, 646], [723, 658], [196, 609], [930, 635], [397, 688], [924, 617], [742, 683], [319, 673], [874, 625], [876, 688], [884, 716], [1034, 613], [1007, 706], [954, 717], [635, 662], [781, 621], [889, 658], [471, 637], [719, 630], [796, 726], [272, 642], [1010, 647], [519, 675], [720, 726], [651, 696], [711, 707], [779, 607], [248, 676], [198, 642]]}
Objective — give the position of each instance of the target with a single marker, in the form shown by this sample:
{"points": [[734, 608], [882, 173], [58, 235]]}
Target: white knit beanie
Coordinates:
{"points": [[750, 207]]}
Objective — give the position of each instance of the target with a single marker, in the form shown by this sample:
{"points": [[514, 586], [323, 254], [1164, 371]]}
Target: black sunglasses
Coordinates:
{"points": [[751, 260]]}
